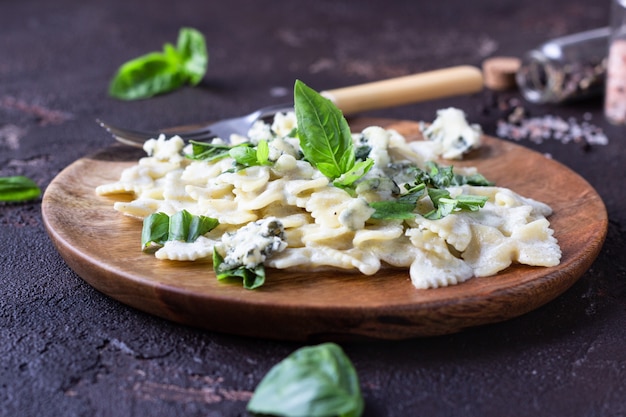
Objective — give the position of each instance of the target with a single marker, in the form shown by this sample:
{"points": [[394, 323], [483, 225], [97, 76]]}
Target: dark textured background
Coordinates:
{"points": [[67, 350]]}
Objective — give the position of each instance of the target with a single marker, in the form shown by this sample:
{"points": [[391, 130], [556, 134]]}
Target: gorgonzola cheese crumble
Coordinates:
{"points": [[451, 135], [286, 214], [252, 244]]}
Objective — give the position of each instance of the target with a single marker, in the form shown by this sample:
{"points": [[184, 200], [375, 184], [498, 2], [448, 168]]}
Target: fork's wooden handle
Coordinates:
{"points": [[414, 88]]}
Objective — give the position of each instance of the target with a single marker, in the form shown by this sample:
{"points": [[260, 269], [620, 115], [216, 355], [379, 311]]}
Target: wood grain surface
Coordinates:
{"points": [[103, 247]]}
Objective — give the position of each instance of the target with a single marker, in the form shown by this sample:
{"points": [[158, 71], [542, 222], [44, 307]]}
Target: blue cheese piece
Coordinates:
{"points": [[251, 245], [355, 214], [451, 134]]}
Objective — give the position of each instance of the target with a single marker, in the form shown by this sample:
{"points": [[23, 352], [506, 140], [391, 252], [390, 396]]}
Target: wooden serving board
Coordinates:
{"points": [[103, 247]]}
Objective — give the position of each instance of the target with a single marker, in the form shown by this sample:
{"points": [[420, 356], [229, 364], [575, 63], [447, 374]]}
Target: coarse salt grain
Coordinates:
{"points": [[539, 129]]}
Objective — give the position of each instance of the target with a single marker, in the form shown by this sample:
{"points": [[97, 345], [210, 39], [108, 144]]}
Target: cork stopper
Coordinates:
{"points": [[499, 72]]}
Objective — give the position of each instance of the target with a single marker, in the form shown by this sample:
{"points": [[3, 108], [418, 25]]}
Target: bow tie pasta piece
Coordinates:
{"points": [[430, 270], [324, 257], [174, 250]]}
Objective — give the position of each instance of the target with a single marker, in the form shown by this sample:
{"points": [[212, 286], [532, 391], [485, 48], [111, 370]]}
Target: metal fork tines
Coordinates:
{"points": [[222, 129]]}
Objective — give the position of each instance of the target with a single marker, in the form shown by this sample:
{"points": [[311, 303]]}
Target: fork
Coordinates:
{"points": [[414, 88], [222, 129]]}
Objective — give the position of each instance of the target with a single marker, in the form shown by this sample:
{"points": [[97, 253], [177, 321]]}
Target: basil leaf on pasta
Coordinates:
{"points": [[252, 278], [325, 136], [183, 226]]}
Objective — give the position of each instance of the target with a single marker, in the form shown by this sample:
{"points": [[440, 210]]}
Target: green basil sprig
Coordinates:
{"points": [[248, 156], [314, 381], [325, 137], [252, 278], [158, 228], [244, 154], [18, 188], [160, 72], [208, 151], [445, 204], [432, 182]]}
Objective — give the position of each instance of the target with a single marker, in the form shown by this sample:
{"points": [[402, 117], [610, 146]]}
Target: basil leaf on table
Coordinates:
{"points": [[314, 381], [146, 76], [160, 72], [18, 188], [192, 49]]}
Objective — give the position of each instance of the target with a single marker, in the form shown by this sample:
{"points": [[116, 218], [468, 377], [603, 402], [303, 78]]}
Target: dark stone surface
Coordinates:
{"points": [[67, 350]]}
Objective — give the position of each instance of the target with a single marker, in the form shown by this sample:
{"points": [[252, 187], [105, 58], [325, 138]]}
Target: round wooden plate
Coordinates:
{"points": [[103, 247]]}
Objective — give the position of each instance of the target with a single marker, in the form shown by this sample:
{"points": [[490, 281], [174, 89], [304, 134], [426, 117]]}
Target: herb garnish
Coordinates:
{"points": [[208, 151], [244, 154], [160, 72], [248, 156], [18, 188], [445, 204], [158, 228], [314, 381], [433, 183], [325, 137], [251, 277]]}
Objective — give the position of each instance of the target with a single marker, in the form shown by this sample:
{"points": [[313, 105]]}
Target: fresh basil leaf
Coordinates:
{"points": [[359, 169], [170, 52], [155, 230], [402, 208], [187, 227], [414, 193], [193, 53], [440, 177], [180, 223], [262, 152], [472, 179], [158, 228], [325, 137], [244, 155], [313, 381], [251, 278], [160, 72], [471, 202], [444, 207], [444, 204], [206, 151], [393, 210], [247, 156], [18, 188], [436, 194], [147, 76]]}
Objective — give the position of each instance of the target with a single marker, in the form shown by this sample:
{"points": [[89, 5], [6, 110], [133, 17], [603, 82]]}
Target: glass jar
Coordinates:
{"points": [[565, 69], [615, 97]]}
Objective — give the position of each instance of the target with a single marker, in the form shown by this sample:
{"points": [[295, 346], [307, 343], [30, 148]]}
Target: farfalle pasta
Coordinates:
{"points": [[326, 226]]}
